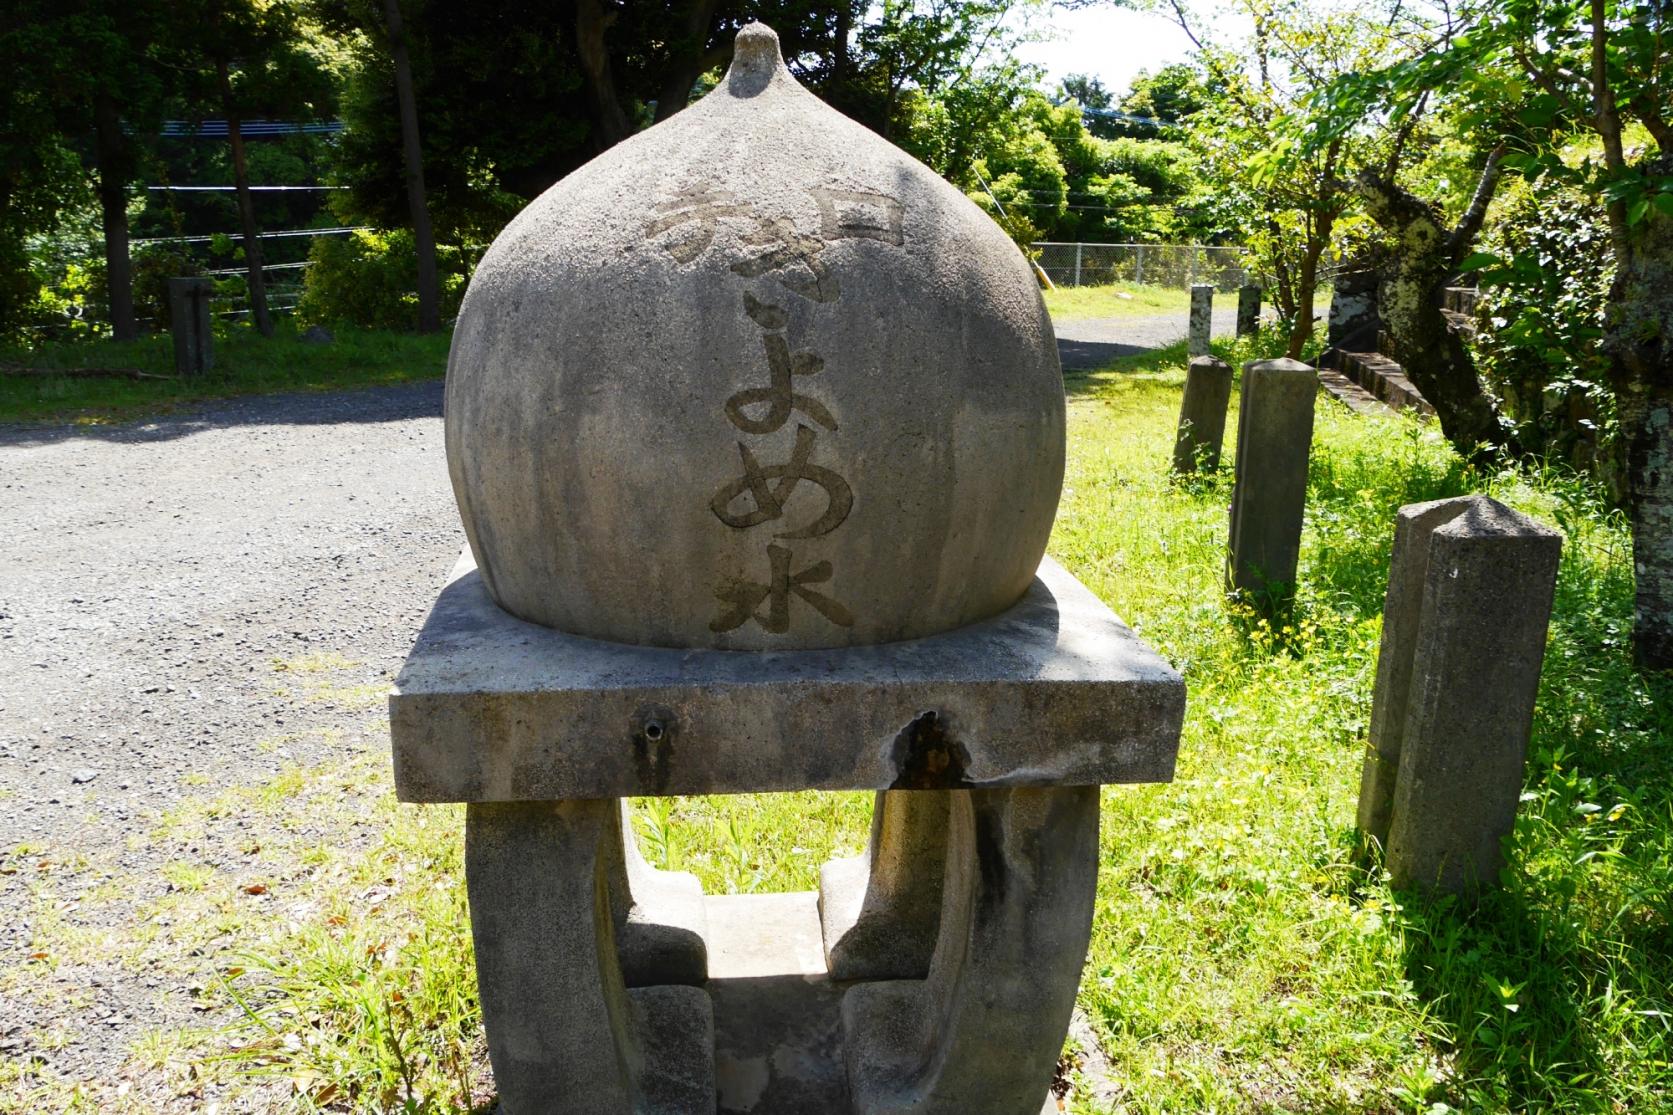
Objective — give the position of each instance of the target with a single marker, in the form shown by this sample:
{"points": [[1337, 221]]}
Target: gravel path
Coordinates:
{"points": [[1090, 343], [153, 575]]}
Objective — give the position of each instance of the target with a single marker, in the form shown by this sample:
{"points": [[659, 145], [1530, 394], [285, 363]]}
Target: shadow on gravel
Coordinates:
{"points": [[396, 403], [1089, 356]]}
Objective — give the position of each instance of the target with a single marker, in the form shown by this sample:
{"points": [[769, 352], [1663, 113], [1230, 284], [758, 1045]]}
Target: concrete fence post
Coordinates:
{"points": [[1202, 319], [1274, 438], [1077, 264], [1248, 309], [1202, 415], [188, 314], [1469, 597], [1138, 265]]}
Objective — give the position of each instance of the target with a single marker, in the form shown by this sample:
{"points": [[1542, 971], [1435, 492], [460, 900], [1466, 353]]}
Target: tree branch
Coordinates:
{"points": [[1649, 114], [1391, 167], [1464, 233], [1608, 122], [1542, 78]]}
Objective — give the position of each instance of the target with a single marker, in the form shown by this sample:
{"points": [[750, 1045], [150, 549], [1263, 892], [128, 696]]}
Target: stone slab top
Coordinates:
{"points": [[1056, 691]]}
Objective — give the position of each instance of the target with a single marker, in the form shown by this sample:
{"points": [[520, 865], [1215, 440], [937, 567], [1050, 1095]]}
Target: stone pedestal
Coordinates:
{"points": [[1464, 624], [936, 973], [1248, 309], [1274, 439], [189, 322], [1202, 415], [1201, 328]]}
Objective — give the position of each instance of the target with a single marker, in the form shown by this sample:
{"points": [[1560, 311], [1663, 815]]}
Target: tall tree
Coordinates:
{"points": [[255, 276], [1424, 258], [1475, 116], [1292, 197], [248, 60], [86, 75], [412, 152]]}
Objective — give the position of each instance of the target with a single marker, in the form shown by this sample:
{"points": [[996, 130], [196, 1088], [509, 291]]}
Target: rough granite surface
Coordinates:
{"points": [[755, 379]]}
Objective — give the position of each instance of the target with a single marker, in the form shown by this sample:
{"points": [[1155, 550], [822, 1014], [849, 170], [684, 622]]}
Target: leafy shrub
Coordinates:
{"points": [[1543, 293], [154, 266], [370, 279]]}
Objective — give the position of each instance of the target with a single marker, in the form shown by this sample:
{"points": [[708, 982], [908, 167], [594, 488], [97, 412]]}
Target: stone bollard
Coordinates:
{"points": [[1202, 415], [1470, 585], [1248, 310], [188, 314], [1274, 438], [1202, 319]]}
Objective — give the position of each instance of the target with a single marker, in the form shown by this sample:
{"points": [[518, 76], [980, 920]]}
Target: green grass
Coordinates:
{"points": [[1242, 961], [245, 364], [1068, 303]]}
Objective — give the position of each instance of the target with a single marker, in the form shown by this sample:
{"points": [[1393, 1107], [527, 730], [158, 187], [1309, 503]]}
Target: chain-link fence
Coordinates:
{"points": [[1167, 265]]}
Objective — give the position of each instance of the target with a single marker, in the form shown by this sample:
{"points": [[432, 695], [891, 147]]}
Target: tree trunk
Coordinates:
{"points": [[1417, 269], [1306, 293], [687, 62], [423, 236], [840, 63], [1638, 337], [111, 153], [255, 277], [1647, 426], [610, 124]]}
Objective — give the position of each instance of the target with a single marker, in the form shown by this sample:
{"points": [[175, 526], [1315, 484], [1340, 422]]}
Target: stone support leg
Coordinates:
{"points": [[659, 918], [983, 1032], [880, 911], [565, 1035]]}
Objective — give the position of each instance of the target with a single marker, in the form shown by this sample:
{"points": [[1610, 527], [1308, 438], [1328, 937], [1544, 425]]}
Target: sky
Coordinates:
{"points": [[1110, 43]]}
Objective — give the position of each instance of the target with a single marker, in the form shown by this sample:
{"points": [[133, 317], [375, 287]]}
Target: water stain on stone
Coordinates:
{"points": [[928, 757]]}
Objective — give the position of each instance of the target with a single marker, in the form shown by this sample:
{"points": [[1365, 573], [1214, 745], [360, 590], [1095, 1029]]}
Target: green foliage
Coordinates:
{"points": [[1166, 101], [998, 139], [369, 279], [154, 266], [1544, 271]]}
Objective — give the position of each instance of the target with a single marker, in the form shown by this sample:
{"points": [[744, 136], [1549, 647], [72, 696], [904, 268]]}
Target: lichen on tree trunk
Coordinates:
{"points": [[1638, 337], [1421, 262]]}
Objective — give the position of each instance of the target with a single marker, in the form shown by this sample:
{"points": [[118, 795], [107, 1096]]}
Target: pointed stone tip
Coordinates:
{"points": [[755, 59], [757, 41]]}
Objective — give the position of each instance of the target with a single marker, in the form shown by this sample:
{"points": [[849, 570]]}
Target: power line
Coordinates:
{"points": [[261, 235], [217, 129], [230, 189]]}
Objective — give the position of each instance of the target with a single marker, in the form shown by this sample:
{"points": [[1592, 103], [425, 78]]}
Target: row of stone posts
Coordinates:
{"points": [[1274, 435], [1470, 587], [1202, 315]]}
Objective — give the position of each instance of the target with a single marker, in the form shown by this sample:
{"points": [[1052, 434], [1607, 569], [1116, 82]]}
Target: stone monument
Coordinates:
{"points": [[1269, 496], [756, 428], [1202, 415], [1470, 585]]}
